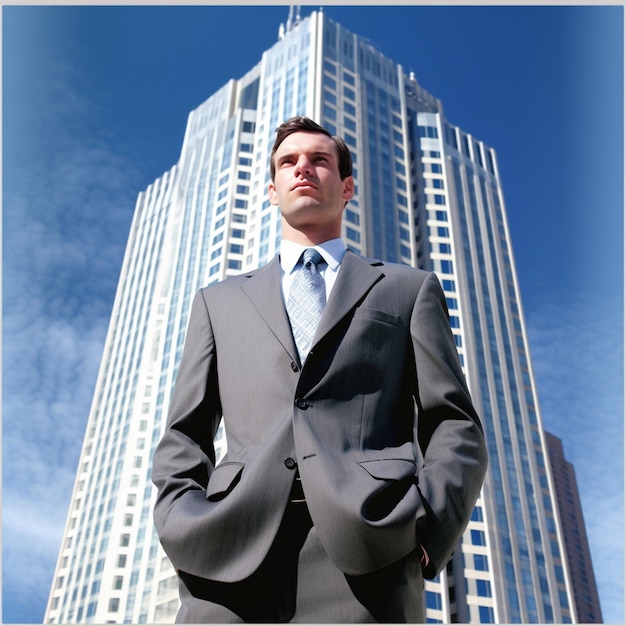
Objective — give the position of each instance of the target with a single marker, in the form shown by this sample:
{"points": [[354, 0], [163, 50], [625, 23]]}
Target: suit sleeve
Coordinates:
{"points": [[185, 456], [449, 432]]}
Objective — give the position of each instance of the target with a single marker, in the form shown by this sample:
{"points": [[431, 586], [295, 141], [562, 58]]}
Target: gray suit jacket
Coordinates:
{"points": [[379, 420]]}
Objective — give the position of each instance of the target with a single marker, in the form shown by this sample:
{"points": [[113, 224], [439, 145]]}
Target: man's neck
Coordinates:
{"points": [[308, 238]]}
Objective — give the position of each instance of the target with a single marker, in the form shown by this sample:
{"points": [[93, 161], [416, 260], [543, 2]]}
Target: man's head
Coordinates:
{"points": [[311, 181], [298, 124]]}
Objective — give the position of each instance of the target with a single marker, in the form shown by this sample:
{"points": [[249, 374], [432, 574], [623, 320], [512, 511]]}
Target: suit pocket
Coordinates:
{"points": [[390, 469], [366, 313], [393, 480], [223, 480]]}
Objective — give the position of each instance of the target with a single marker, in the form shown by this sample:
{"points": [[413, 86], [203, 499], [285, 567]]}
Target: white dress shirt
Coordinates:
{"points": [[332, 252]]}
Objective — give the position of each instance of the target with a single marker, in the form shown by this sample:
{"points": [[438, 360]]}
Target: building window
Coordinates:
{"points": [[483, 588], [481, 563], [428, 131], [91, 609], [353, 235], [447, 267], [352, 217], [478, 537], [350, 140], [477, 514], [433, 600], [486, 615], [330, 113]]}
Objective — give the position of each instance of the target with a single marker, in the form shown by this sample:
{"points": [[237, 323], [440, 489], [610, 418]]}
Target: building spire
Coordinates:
{"points": [[294, 16], [292, 21]]}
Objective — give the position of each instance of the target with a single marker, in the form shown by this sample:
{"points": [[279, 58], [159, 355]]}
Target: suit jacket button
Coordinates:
{"points": [[290, 463], [301, 404], [294, 366]]}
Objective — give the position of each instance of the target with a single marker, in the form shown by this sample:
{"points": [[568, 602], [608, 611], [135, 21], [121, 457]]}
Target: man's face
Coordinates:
{"points": [[307, 186]]}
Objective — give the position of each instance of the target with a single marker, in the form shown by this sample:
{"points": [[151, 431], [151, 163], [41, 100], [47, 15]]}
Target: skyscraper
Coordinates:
{"points": [[428, 194], [583, 579]]}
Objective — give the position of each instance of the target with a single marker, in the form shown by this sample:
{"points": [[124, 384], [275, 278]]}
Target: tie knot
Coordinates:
{"points": [[311, 256]]}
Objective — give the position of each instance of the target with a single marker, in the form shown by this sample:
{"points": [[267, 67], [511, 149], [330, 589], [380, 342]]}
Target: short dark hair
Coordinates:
{"points": [[306, 124]]}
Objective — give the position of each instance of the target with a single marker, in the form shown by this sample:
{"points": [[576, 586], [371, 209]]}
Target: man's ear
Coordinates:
{"points": [[348, 188], [271, 192]]}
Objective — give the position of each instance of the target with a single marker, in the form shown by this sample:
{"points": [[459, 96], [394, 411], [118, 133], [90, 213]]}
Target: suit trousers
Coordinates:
{"points": [[298, 583]]}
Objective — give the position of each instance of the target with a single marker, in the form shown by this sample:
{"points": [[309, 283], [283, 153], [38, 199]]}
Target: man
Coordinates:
{"points": [[352, 468]]}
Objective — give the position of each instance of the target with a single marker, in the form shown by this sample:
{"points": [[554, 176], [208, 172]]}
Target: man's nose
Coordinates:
{"points": [[303, 166]]}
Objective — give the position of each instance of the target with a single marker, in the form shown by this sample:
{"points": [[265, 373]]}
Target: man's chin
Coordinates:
{"points": [[303, 208]]}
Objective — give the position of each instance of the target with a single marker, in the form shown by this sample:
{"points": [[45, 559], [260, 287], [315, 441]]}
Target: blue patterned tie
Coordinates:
{"points": [[307, 298]]}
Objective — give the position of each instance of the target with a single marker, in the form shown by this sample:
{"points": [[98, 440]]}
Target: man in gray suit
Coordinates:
{"points": [[354, 464]]}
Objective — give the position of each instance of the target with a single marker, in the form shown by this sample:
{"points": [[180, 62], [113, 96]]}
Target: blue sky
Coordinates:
{"points": [[95, 102]]}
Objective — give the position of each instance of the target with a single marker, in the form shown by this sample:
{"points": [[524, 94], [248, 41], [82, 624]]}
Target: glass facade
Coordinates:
{"points": [[428, 194]]}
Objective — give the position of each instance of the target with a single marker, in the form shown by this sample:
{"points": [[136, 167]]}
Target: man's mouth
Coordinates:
{"points": [[305, 184]]}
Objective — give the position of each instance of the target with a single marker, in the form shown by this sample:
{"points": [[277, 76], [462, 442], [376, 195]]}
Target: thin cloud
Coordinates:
{"points": [[47, 394], [67, 212], [577, 353]]}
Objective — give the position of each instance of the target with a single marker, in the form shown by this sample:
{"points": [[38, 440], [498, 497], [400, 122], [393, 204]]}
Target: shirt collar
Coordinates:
{"points": [[332, 251]]}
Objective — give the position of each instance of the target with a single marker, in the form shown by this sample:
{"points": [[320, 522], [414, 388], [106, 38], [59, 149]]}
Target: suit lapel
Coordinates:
{"points": [[356, 277], [264, 290]]}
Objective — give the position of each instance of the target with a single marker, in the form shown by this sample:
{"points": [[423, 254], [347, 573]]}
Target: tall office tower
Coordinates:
{"points": [[428, 194], [584, 587]]}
